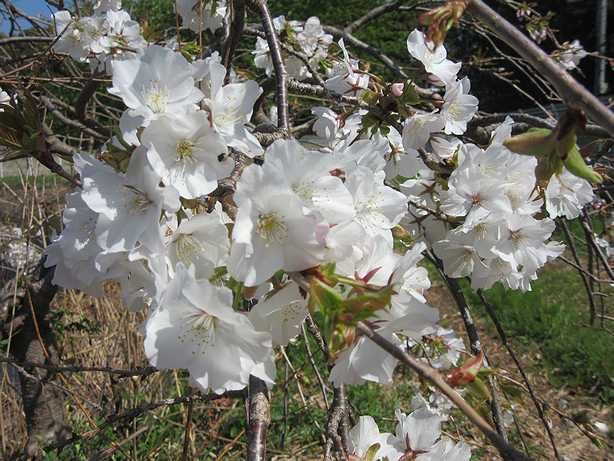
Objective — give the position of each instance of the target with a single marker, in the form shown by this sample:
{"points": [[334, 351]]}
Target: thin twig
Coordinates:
{"points": [[315, 367], [540, 410], [375, 52], [568, 88], [24, 39], [585, 221], [373, 14], [79, 369], [281, 75], [237, 22], [531, 120], [581, 271], [435, 378]]}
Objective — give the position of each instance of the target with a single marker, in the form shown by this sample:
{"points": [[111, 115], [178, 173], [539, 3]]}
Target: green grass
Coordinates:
{"points": [[553, 318]]}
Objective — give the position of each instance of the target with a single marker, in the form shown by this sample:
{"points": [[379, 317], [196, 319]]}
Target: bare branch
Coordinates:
{"points": [[540, 410], [81, 369], [258, 419], [531, 120], [70, 122], [568, 88], [373, 14], [237, 22], [86, 93], [317, 90], [24, 39], [336, 429], [435, 378], [581, 271], [280, 70], [376, 53], [590, 236]]}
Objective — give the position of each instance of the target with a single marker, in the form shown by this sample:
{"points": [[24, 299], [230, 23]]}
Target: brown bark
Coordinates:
{"points": [[43, 402]]}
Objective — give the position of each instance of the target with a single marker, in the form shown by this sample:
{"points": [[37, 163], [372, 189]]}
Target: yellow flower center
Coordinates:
{"points": [[271, 228], [184, 149]]}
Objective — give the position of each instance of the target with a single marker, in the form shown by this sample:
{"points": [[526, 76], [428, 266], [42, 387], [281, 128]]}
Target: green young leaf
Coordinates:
{"points": [[324, 298], [553, 154], [371, 452], [363, 305], [576, 165], [410, 95], [478, 396], [536, 142]]}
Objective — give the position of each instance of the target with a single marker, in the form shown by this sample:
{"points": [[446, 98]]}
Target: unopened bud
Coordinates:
{"points": [[534, 142], [397, 89], [577, 166], [467, 372]]}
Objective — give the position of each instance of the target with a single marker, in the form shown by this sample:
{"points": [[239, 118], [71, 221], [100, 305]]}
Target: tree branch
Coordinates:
{"points": [[281, 75], [377, 54], [24, 39], [237, 22], [572, 92], [540, 411], [531, 120], [372, 14], [435, 378], [258, 419]]}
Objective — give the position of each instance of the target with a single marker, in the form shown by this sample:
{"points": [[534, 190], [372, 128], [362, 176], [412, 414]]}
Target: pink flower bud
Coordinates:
{"points": [[397, 89]]}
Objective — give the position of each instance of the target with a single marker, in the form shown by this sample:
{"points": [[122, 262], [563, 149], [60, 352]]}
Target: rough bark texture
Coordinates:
{"points": [[258, 419], [43, 402]]}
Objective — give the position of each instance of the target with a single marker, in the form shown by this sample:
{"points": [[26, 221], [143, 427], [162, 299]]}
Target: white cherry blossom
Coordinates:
{"points": [[571, 54], [187, 153], [281, 314], [416, 433], [194, 327], [131, 203], [346, 78], [272, 230], [230, 107], [459, 106], [378, 207], [434, 60], [418, 129], [201, 241], [203, 16], [73, 252], [76, 35], [567, 194], [364, 435], [308, 174], [157, 83]]}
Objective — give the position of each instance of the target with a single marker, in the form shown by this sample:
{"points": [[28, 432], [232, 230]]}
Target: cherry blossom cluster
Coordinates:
{"points": [[308, 40], [330, 205], [499, 238], [201, 16], [108, 35], [417, 436]]}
